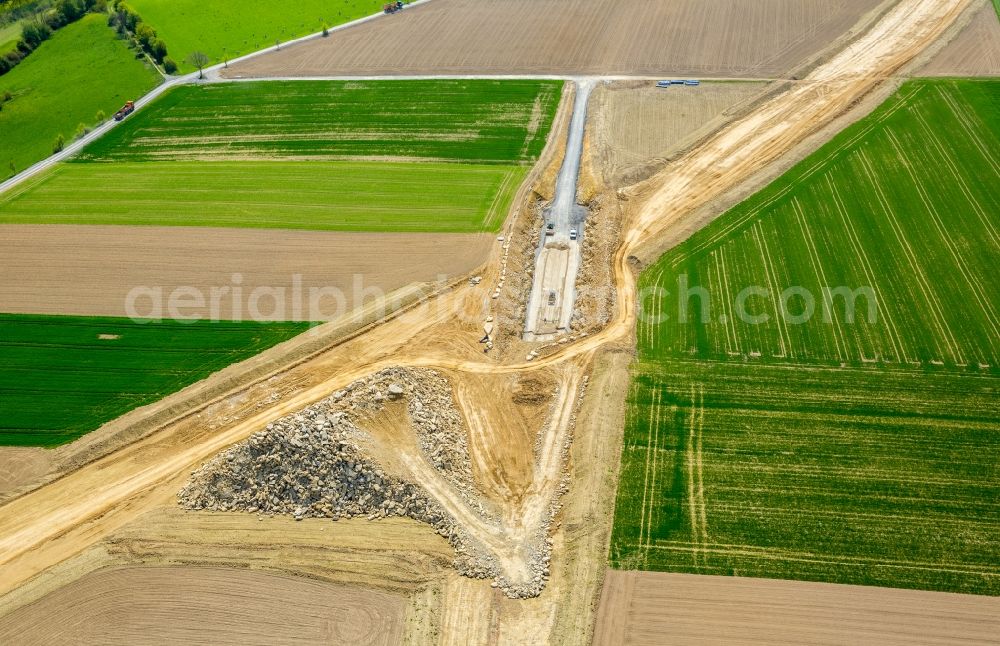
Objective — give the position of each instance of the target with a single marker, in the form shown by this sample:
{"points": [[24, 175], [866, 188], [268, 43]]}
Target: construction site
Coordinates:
{"points": [[440, 465]]}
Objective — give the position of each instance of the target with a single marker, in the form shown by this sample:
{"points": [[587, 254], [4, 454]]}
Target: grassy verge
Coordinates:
{"points": [[453, 120], [81, 70], [817, 447], [64, 376], [336, 196], [226, 29]]}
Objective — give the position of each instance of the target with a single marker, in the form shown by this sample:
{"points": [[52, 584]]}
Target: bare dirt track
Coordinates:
{"points": [[55, 523], [198, 605], [738, 38], [639, 608], [89, 270], [974, 52]]}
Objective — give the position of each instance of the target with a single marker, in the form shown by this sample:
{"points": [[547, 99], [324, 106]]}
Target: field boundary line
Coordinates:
{"points": [[701, 478], [692, 500], [835, 559]]}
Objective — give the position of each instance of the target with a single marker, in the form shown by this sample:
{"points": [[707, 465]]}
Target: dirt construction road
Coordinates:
{"points": [[56, 521]]}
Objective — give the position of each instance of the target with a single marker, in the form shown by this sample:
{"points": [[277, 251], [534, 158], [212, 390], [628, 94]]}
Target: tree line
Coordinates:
{"points": [[128, 23], [40, 28]]}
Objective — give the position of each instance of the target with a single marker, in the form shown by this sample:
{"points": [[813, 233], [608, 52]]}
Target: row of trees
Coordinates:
{"points": [[39, 29], [128, 23]]}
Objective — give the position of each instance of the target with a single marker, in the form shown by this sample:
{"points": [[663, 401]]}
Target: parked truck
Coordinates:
{"points": [[125, 110]]}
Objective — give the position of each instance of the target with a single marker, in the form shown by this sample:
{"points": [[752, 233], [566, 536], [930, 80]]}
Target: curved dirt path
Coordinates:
{"points": [[62, 518]]}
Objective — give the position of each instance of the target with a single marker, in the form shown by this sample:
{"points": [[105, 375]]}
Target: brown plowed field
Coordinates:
{"points": [[736, 38], [975, 52], [89, 270], [193, 605], [635, 126], [20, 466], [640, 608]]}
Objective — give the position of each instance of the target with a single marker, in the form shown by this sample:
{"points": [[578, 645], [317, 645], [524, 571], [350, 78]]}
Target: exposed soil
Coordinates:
{"points": [[205, 605], [639, 608], [974, 52], [637, 127], [738, 38], [89, 270], [22, 466]]}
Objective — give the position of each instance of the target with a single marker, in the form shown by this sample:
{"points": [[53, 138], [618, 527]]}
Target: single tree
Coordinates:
{"points": [[199, 60], [59, 144]]}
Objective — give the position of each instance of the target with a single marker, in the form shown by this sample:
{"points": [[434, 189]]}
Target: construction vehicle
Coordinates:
{"points": [[126, 110]]}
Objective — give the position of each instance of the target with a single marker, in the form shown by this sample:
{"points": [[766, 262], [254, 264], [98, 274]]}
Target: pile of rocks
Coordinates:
{"points": [[437, 423], [310, 465]]}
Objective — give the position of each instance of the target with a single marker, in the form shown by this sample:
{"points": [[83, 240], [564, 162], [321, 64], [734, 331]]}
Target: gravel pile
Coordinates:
{"points": [[309, 464]]}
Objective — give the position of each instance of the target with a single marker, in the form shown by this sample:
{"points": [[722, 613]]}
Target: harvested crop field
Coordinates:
{"points": [[739, 38], [635, 125], [640, 608], [974, 52], [318, 196], [476, 121], [89, 270], [196, 605]]}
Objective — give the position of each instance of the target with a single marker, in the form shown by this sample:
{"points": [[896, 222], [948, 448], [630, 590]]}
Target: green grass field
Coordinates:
{"points": [[478, 121], [337, 196], [230, 28], [869, 477], [82, 69], [828, 450], [9, 35], [60, 379], [904, 202]]}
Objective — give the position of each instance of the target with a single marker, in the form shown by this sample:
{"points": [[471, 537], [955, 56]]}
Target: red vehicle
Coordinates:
{"points": [[126, 110]]}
